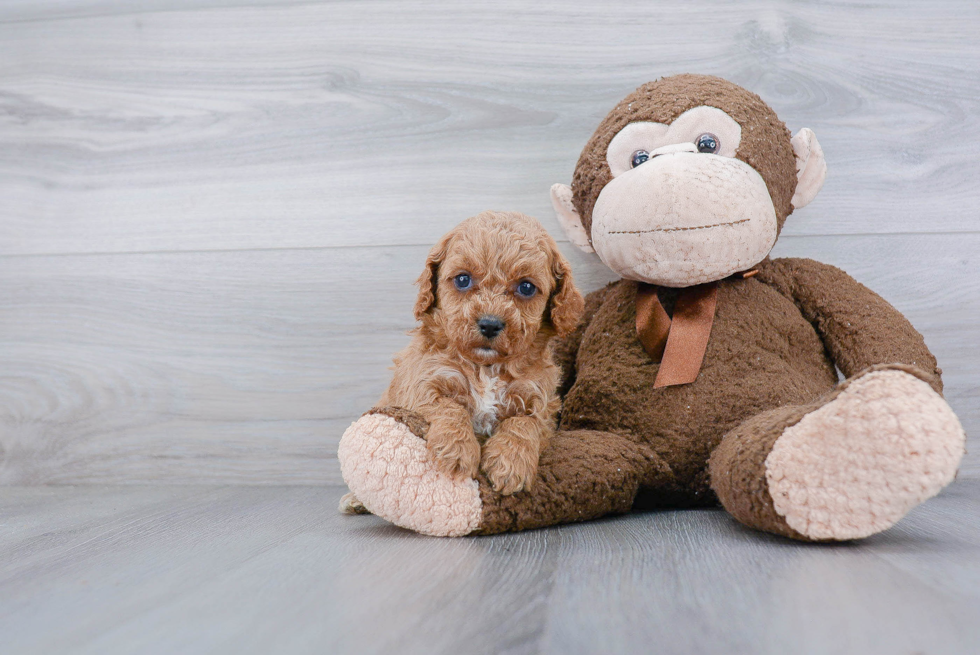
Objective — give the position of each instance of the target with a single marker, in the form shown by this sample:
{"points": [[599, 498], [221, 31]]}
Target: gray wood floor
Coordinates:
{"points": [[211, 213], [274, 570]]}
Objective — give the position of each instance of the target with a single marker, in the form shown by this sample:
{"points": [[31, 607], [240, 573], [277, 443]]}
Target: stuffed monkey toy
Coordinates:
{"points": [[709, 372]]}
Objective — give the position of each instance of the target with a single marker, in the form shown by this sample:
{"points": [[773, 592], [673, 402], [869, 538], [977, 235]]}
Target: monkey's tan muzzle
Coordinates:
{"points": [[684, 218]]}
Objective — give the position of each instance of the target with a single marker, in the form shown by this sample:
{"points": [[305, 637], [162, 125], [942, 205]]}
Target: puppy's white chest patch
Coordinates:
{"points": [[488, 397]]}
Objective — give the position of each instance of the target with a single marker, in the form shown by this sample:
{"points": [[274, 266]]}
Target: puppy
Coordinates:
{"points": [[494, 292]]}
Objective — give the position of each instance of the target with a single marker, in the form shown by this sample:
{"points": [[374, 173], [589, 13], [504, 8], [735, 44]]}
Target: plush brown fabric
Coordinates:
{"points": [[859, 327], [582, 475], [762, 354], [778, 336], [412, 420], [768, 362], [765, 144], [566, 350]]}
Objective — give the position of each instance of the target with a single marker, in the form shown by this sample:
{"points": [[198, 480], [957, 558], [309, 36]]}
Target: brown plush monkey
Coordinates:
{"points": [[709, 372]]}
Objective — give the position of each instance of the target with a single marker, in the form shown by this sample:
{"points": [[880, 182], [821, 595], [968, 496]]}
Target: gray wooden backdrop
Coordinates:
{"points": [[211, 212]]}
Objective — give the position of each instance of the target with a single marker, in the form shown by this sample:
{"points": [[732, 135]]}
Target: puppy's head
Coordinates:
{"points": [[495, 286]]}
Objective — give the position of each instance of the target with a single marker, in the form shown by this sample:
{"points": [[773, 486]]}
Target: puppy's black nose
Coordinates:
{"points": [[490, 326]]}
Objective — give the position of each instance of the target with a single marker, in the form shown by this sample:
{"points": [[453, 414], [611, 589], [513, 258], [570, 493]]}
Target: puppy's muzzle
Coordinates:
{"points": [[490, 325]]}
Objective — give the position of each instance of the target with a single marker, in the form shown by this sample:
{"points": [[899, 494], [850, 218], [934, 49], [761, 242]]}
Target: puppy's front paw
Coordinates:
{"points": [[455, 450], [510, 462]]}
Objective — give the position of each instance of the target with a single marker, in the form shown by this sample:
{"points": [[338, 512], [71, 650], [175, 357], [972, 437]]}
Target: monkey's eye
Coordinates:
{"points": [[463, 281], [639, 157], [526, 290], [708, 143]]}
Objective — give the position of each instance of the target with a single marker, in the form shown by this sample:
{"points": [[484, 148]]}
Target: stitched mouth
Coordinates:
{"points": [[681, 229]]}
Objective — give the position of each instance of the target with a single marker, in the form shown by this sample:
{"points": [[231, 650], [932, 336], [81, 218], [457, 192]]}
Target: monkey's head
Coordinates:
{"points": [[688, 180]]}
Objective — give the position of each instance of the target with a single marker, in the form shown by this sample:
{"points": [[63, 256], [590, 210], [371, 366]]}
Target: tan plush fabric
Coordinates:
{"points": [[682, 220], [664, 100], [389, 470], [858, 464], [683, 131], [561, 202], [811, 168]]}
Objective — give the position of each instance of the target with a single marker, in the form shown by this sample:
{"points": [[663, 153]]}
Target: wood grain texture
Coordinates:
{"points": [[247, 366], [211, 212], [267, 569], [233, 125]]}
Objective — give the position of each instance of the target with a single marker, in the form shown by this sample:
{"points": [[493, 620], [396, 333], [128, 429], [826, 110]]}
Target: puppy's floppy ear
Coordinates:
{"points": [[566, 303], [429, 279]]}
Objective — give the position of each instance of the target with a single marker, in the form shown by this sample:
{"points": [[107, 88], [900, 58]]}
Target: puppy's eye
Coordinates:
{"points": [[639, 157], [463, 281], [526, 290]]}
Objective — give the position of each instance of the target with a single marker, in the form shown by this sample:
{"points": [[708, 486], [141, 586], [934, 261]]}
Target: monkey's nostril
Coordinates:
{"points": [[490, 326]]}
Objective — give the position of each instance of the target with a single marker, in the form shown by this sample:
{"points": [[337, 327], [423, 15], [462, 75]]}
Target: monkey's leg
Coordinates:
{"points": [[847, 466], [581, 475]]}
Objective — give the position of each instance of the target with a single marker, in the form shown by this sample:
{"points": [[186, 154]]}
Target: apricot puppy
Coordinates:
{"points": [[494, 292]]}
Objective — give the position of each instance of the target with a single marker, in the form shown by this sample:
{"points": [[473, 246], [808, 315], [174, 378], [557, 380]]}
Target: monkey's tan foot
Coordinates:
{"points": [[510, 461], [388, 468], [847, 467], [454, 449], [349, 504]]}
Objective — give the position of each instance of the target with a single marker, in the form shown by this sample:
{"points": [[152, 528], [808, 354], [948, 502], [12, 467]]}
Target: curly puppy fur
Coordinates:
{"points": [[498, 390]]}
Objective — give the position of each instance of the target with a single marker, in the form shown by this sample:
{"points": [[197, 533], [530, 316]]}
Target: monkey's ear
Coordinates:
{"points": [[568, 218], [811, 168], [429, 279]]}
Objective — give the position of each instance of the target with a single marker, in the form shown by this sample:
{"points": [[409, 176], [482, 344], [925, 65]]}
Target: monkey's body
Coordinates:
{"points": [[613, 391], [686, 182], [772, 358]]}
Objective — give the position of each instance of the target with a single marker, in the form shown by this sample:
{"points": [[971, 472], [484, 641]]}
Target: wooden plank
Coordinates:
{"points": [[237, 366], [245, 367], [700, 582], [229, 125], [255, 570]]}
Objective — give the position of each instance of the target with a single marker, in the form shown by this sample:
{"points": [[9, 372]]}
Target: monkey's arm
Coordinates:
{"points": [[566, 350], [858, 327]]}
